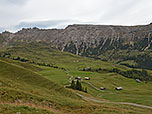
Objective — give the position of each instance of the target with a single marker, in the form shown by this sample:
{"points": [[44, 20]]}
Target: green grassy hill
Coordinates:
{"points": [[20, 85], [33, 79]]}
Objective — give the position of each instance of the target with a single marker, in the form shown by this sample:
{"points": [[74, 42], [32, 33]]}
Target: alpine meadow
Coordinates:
{"points": [[75, 57]]}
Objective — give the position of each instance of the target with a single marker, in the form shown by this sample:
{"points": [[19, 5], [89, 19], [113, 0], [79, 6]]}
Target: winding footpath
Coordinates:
{"points": [[125, 103], [100, 101], [92, 85]]}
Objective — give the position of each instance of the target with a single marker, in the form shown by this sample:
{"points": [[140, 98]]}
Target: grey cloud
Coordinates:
{"points": [[16, 14], [16, 2], [2, 29], [11, 12], [43, 24], [119, 8], [49, 24], [40, 24]]}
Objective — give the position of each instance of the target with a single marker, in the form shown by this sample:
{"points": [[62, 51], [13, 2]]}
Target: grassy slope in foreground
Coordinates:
{"points": [[24, 86], [19, 93]]}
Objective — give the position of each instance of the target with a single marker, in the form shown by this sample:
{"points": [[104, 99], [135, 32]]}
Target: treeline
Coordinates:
{"points": [[131, 66], [8, 55], [22, 59], [134, 74], [78, 86], [143, 61]]}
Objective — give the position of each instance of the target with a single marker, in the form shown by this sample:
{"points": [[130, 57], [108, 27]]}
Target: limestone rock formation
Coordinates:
{"points": [[86, 40]]}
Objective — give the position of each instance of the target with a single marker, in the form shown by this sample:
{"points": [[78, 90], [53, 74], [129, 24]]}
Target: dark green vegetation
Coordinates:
{"points": [[33, 79], [78, 86], [130, 58], [134, 74]]}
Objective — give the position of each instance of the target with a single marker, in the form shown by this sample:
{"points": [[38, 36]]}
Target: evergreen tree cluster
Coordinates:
{"points": [[78, 86], [135, 74]]}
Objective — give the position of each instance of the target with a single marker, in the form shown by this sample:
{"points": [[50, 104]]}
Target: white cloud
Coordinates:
{"points": [[11, 12], [28, 13]]}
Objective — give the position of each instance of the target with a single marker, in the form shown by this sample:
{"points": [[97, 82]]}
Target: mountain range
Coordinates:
{"points": [[127, 45]]}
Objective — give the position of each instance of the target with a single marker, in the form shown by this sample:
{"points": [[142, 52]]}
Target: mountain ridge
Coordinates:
{"points": [[86, 40]]}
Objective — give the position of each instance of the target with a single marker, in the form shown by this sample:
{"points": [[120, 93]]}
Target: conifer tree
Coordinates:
{"points": [[73, 84], [78, 85], [85, 89]]}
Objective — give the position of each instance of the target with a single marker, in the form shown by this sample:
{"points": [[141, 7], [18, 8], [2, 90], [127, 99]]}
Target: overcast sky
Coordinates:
{"points": [[17, 14]]}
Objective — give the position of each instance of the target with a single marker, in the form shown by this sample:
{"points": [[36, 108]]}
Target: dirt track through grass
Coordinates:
{"points": [[125, 103]]}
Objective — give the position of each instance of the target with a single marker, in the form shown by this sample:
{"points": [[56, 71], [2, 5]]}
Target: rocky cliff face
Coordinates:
{"points": [[86, 40]]}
